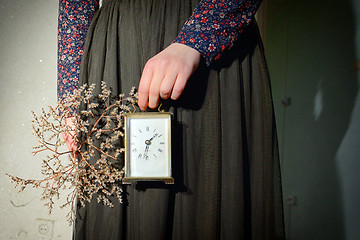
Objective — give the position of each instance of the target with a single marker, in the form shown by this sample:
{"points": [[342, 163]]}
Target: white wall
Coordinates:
{"points": [[28, 43]]}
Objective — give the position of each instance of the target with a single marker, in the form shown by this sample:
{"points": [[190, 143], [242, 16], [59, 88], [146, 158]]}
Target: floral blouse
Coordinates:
{"points": [[212, 28]]}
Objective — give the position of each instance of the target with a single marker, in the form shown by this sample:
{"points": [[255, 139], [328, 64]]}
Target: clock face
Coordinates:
{"points": [[148, 146]]}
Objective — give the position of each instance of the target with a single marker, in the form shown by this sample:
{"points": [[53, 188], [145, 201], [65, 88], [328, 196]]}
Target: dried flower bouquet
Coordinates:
{"points": [[96, 167]]}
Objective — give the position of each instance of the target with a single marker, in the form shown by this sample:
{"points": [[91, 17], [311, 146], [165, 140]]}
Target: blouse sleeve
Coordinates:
{"points": [[73, 22], [215, 25]]}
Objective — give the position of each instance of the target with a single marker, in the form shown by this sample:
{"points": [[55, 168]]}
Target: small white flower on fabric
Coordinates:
{"points": [[190, 22], [216, 26], [211, 47]]}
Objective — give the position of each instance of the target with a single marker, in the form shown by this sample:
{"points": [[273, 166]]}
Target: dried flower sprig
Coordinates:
{"points": [[96, 167]]}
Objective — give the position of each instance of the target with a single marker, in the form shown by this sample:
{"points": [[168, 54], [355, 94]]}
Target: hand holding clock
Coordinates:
{"points": [[166, 74]]}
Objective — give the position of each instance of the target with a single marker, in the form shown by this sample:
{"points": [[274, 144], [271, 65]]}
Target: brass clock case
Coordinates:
{"points": [[148, 147]]}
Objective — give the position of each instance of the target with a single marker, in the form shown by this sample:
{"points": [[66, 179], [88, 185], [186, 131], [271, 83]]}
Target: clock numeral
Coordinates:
{"points": [[140, 155], [162, 143], [147, 128], [160, 150], [134, 150], [139, 130], [154, 130], [155, 155], [160, 135]]}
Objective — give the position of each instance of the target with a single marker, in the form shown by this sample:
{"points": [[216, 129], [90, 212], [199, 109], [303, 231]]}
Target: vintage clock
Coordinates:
{"points": [[148, 147]]}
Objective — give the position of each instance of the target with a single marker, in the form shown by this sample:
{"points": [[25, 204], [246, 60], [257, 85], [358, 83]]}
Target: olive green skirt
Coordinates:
{"points": [[225, 155]]}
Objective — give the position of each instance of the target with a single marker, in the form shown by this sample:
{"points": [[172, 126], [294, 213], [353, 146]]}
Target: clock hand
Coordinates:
{"points": [[148, 143], [145, 156], [155, 135]]}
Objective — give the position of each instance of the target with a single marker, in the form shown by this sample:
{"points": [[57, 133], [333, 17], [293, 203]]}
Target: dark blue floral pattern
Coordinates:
{"points": [[74, 20], [212, 28], [215, 25]]}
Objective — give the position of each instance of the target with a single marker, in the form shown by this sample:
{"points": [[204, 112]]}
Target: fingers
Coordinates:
{"points": [[166, 74], [157, 81], [167, 85], [64, 135], [144, 86], [155, 89], [180, 83], [72, 146], [70, 135], [161, 86], [70, 142]]}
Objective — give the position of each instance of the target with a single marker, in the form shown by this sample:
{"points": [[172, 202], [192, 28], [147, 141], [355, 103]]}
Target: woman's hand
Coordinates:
{"points": [[166, 74], [69, 137]]}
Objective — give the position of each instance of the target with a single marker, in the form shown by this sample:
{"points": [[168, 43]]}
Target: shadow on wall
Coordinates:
{"points": [[333, 104], [348, 153], [318, 54]]}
